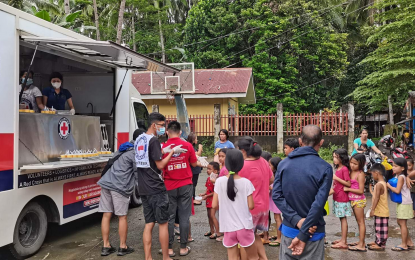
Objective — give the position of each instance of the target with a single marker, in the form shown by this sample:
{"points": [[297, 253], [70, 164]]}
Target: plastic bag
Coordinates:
{"points": [[386, 165]]}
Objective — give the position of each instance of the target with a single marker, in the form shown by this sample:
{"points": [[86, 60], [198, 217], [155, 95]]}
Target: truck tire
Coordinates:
{"points": [[135, 200], [29, 232]]}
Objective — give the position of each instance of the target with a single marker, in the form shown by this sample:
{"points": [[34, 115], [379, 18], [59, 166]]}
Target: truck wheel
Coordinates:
{"points": [[135, 199], [30, 231]]}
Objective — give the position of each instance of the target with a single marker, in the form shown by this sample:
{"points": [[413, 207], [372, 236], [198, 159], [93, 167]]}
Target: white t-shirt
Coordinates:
{"points": [[234, 215], [29, 98]]}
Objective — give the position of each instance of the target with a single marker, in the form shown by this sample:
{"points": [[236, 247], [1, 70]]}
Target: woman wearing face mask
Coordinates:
{"points": [[56, 96], [31, 97]]}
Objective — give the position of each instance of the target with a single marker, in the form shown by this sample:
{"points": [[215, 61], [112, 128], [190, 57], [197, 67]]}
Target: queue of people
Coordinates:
{"points": [[245, 187], [52, 97]]}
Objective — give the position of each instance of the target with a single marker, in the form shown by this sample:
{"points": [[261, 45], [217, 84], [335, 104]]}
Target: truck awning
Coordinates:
{"points": [[105, 52]]}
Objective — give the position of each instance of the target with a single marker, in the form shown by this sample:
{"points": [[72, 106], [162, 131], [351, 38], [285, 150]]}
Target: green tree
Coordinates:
{"points": [[392, 64], [290, 46]]}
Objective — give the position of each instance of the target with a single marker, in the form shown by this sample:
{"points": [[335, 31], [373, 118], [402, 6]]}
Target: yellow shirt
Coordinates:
{"points": [[382, 208]]}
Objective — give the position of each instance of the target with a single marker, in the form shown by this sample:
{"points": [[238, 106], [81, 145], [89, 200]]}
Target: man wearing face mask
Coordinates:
{"points": [[31, 97], [56, 96], [150, 162]]}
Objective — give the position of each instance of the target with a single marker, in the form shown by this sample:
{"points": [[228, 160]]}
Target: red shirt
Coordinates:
{"points": [[339, 194], [177, 172]]}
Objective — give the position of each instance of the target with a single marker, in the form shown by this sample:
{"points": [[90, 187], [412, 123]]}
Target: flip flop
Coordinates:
{"points": [[264, 241], [219, 238], [274, 244], [399, 249], [188, 251], [208, 234], [355, 249], [273, 238], [353, 244], [411, 247], [335, 242], [171, 255], [376, 248], [213, 236], [371, 244], [336, 246]]}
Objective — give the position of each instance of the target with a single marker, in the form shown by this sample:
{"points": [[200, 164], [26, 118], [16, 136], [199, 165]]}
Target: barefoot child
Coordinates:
{"points": [[358, 199], [234, 196], [341, 204], [380, 208], [404, 209], [213, 168]]}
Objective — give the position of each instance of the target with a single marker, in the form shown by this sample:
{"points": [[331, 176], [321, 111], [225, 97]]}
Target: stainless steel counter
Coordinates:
{"points": [[49, 136]]}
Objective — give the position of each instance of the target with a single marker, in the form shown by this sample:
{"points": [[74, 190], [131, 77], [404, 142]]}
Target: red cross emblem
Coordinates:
{"points": [[64, 128]]}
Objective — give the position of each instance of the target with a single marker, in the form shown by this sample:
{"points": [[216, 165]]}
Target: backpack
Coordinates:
{"points": [[112, 160]]}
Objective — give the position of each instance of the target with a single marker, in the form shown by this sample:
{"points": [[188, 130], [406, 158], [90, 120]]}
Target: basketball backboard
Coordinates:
{"points": [[182, 82]]}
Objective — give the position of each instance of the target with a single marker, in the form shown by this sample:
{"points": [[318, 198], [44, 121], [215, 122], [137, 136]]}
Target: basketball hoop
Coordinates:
{"points": [[170, 92]]}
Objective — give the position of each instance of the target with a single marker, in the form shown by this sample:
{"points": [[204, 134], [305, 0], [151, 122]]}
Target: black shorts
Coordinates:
{"points": [[156, 208]]}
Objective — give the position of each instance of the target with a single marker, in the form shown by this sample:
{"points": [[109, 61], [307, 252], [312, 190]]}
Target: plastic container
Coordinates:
{"points": [[397, 198]]}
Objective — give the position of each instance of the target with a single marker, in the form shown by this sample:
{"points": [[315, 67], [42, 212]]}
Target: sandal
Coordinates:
{"points": [[376, 248], [274, 243], [353, 244], [411, 247], [355, 249], [188, 251], [219, 238], [371, 244], [337, 246], [335, 242], [399, 249], [171, 255], [208, 234], [213, 236]]}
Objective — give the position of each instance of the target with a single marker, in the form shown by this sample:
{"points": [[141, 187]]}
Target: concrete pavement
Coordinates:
{"points": [[81, 239]]}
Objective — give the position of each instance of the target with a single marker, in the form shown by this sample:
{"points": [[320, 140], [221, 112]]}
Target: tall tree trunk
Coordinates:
{"points": [[96, 19], [163, 53], [120, 21], [371, 13], [133, 30], [67, 7], [390, 110]]}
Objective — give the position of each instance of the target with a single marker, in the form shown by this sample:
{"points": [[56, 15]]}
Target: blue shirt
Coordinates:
{"points": [[227, 144], [56, 100], [357, 141]]}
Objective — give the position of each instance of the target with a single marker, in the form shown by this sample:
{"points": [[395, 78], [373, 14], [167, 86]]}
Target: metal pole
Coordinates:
{"points": [[118, 94]]}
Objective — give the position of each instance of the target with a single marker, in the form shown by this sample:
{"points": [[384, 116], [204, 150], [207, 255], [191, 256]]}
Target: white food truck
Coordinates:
{"points": [[37, 185]]}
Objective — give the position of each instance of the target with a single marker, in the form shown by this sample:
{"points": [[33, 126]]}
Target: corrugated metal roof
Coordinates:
{"points": [[207, 81]]}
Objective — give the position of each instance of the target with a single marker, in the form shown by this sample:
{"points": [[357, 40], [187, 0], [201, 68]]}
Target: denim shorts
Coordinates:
{"points": [[156, 208]]}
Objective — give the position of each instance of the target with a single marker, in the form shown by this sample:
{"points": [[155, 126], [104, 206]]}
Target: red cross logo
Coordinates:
{"points": [[64, 128]]}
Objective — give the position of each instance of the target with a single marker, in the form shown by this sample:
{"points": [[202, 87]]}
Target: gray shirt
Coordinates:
{"points": [[121, 176]]}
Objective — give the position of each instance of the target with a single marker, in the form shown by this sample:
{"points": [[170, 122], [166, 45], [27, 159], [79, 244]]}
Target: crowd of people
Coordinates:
{"points": [[245, 186]]}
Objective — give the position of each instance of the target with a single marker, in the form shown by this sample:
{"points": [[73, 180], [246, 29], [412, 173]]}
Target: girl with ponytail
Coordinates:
{"points": [[234, 196], [257, 170]]}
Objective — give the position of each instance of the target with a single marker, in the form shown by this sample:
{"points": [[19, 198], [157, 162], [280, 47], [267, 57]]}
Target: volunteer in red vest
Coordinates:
{"points": [[179, 184]]}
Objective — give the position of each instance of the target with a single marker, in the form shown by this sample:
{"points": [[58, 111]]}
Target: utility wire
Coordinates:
{"points": [[357, 65], [250, 29]]}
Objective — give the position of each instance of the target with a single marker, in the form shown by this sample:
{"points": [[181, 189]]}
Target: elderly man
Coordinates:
{"points": [[301, 188]]}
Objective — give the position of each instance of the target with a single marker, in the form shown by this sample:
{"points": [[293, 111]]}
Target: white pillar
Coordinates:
{"points": [[280, 128]]}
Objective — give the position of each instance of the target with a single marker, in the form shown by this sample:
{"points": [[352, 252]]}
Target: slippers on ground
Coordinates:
{"points": [[188, 252], [337, 246], [355, 249], [376, 248], [399, 249], [274, 243], [208, 234], [171, 255], [213, 236]]}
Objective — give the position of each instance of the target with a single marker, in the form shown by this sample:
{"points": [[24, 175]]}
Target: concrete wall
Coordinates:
{"points": [[269, 143]]}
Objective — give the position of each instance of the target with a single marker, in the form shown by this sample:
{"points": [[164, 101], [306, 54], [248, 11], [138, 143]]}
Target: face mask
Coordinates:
{"points": [[56, 84], [28, 82], [161, 131]]}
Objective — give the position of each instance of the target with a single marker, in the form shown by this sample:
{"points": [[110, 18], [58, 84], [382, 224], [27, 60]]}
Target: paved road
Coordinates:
{"points": [[82, 239]]}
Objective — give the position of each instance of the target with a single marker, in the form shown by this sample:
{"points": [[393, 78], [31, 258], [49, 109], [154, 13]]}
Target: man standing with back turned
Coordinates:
{"points": [[301, 188], [148, 158]]}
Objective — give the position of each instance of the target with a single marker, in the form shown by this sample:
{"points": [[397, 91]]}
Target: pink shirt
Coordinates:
{"points": [[259, 173], [355, 186], [223, 172], [339, 194]]}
